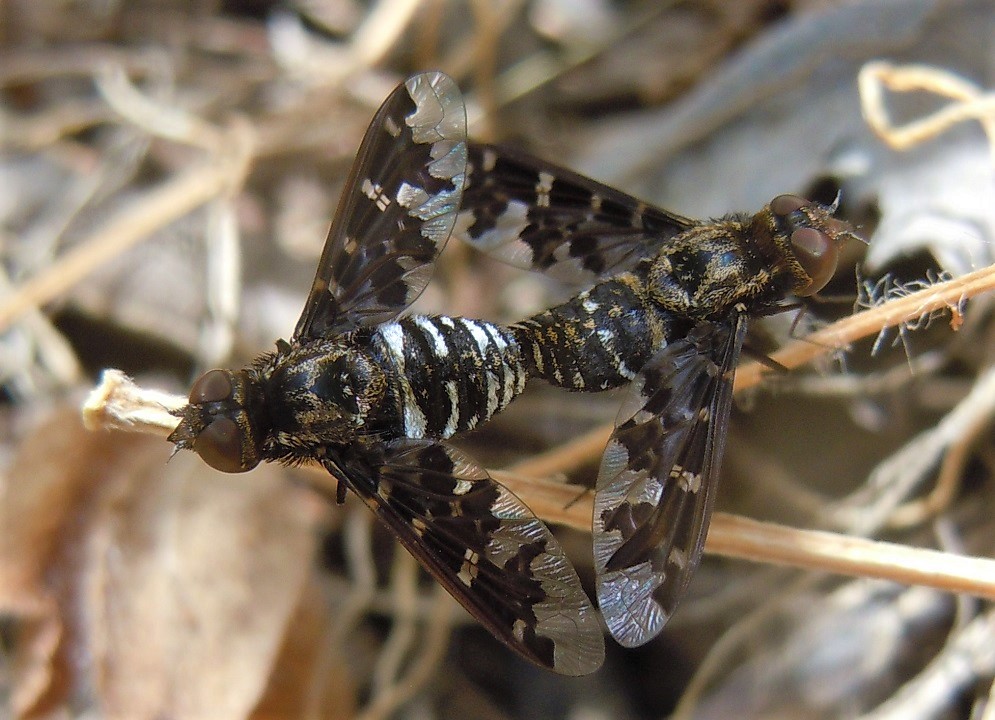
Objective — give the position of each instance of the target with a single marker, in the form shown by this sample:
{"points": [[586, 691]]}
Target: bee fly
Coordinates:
{"points": [[667, 315], [371, 396]]}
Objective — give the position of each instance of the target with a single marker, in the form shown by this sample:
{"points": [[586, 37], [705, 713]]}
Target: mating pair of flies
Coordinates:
{"points": [[372, 396]]}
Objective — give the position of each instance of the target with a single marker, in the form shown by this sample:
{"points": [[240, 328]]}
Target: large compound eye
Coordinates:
{"points": [[212, 386], [784, 205], [814, 250], [817, 254], [220, 445]]}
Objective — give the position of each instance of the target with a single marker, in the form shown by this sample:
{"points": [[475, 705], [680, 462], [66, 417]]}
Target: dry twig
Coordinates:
{"points": [[969, 102]]}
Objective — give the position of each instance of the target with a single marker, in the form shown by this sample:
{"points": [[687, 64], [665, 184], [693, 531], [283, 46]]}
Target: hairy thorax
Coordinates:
{"points": [[320, 393], [711, 268]]}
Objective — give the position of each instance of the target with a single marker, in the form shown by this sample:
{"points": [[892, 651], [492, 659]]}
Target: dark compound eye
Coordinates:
{"points": [[814, 249], [784, 205], [220, 445], [817, 254], [212, 386]]}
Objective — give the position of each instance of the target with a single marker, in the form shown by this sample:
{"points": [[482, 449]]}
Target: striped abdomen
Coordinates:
{"points": [[446, 374], [598, 340]]}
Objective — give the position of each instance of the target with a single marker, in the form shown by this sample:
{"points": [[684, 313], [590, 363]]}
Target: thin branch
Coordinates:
{"points": [[969, 102], [948, 295], [747, 539]]}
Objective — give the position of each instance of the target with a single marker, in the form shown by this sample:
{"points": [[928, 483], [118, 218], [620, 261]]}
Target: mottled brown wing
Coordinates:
{"points": [[397, 210], [535, 215], [658, 477], [485, 547]]}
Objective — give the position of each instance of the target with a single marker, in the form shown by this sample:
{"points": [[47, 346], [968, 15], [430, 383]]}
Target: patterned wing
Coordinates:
{"points": [[535, 215], [485, 547], [658, 476], [397, 209]]}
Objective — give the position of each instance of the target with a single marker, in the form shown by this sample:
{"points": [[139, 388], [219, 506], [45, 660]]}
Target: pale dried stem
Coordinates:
{"points": [[969, 103], [381, 30], [45, 127], [947, 295], [118, 404], [731, 641], [568, 456], [153, 117], [948, 480], [740, 537]]}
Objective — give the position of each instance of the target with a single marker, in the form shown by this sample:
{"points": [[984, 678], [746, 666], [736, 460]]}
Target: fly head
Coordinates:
{"points": [[221, 422], [808, 238]]}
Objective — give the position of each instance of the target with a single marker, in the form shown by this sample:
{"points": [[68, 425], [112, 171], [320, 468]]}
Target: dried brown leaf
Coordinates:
{"points": [[206, 571], [311, 677], [164, 590]]}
